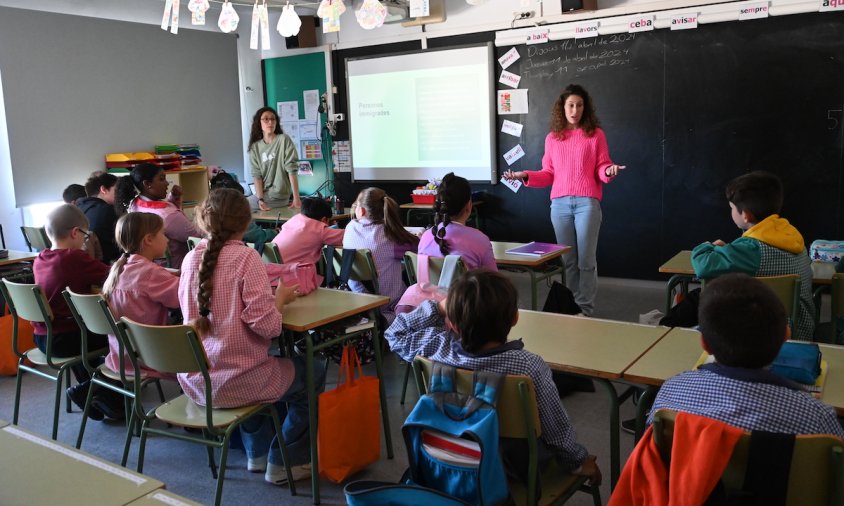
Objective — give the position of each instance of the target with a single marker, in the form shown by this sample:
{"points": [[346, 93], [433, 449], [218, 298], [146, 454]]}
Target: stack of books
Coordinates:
{"points": [[179, 156]]}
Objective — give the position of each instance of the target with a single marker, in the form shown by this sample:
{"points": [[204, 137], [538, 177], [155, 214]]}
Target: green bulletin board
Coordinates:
{"points": [[285, 78]]}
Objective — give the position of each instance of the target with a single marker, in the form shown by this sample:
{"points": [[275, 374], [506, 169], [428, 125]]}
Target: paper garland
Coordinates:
{"points": [[371, 14], [289, 23]]}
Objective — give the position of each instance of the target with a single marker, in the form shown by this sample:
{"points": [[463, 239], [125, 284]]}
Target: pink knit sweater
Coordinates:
{"points": [[575, 166]]}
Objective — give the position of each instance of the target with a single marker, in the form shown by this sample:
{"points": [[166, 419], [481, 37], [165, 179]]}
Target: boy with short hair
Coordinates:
{"points": [[67, 265], [769, 246], [73, 193], [743, 324], [469, 330]]}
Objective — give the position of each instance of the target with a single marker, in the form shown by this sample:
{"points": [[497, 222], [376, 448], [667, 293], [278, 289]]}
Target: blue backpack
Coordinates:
{"points": [[452, 446]]}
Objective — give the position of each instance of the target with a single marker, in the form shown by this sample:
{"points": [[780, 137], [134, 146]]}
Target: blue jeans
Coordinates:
{"points": [[258, 434], [577, 221]]}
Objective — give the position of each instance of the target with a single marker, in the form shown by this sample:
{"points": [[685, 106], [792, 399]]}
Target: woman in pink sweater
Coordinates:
{"points": [[576, 164]]}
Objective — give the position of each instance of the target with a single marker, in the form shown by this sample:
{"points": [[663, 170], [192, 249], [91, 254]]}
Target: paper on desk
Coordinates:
{"points": [[513, 184], [514, 154], [512, 101], [512, 128]]}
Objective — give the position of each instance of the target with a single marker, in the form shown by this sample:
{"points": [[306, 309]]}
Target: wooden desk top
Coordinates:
{"points": [[678, 351], [324, 306], [499, 249], [163, 498], [283, 214], [16, 257], [599, 348], [27, 459], [681, 263]]}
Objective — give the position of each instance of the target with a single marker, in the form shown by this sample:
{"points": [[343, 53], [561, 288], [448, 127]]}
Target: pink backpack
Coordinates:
{"points": [[423, 289], [295, 273]]}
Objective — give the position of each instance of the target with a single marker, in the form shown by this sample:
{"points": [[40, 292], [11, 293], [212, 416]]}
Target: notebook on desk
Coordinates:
{"points": [[535, 249]]}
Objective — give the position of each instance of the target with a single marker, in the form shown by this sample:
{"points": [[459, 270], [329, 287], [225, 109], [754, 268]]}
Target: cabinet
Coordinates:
{"points": [[194, 183]]}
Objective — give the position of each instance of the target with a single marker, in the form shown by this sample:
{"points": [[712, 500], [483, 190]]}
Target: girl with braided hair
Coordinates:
{"points": [[377, 227], [450, 235], [225, 294], [137, 287]]}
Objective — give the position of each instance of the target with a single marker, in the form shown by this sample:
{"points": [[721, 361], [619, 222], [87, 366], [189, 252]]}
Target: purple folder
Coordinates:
{"points": [[535, 249]]}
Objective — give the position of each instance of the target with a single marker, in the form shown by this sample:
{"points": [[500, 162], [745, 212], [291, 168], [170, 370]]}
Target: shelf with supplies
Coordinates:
{"points": [[194, 183]]}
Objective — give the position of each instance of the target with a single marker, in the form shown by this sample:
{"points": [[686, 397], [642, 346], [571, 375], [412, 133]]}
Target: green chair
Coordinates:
{"points": [[271, 254], [837, 311], [93, 315], [177, 349], [518, 418], [36, 238], [27, 301], [787, 289], [435, 268], [363, 269], [816, 476], [193, 241]]}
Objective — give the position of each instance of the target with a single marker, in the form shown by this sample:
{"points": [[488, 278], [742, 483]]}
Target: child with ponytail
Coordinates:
{"points": [[145, 190], [225, 294], [377, 226], [450, 235], [137, 287]]}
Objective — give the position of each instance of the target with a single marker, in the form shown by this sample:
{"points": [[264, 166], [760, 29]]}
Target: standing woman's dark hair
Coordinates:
{"points": [[223, 214], [129, 187], [256, 134], [453, 194], [381, 208], [588, 122]]}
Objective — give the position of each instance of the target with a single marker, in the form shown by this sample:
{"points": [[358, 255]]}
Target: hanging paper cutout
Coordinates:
{"points": [[197, 9], [330, 11], [228, 18], [256, 26], [371, 14], [171, 16], [289, 22], [265, 26]]}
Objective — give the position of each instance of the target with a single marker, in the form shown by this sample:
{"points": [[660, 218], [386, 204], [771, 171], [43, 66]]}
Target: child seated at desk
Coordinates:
{"points": [[450, 235], [137, 287], [743, 324], [66, 265], [769, 245], [224, 292], [301, 239], [469, 330], [378, 228]]}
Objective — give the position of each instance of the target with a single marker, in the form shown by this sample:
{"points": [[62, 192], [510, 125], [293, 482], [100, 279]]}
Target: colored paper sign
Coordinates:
{"points": [[685, 21], [513, 184], [512, 128], [311, 150], [640, 23], [305, 169], [753, 10], [508, 58], [537, 37], [831, 5], [514, 154], [512, 101], [584, 30], [510, 79]]}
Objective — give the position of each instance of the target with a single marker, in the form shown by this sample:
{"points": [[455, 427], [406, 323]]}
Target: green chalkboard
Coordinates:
{"points": [[285, 78]]}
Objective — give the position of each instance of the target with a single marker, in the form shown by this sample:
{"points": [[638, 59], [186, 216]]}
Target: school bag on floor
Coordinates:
{"points": [[452, 448]]}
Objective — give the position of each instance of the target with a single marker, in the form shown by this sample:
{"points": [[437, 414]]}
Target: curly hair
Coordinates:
{"points": [[223, 214], [129, 187], [256, 134], [588, 122], [381, 208], [453, 194]]}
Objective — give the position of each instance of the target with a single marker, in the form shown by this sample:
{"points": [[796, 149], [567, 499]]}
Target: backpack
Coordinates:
{"points": [[423, 289], [452, 447], [560, 300]]}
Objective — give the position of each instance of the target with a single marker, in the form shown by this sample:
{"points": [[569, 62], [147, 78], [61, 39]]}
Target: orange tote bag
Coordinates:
{"points": [[349, 431], [8, 358]]}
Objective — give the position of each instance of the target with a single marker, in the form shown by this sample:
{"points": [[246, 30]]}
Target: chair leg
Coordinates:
{"points": [[130, 429], [142, 446], [211, 462], [85, 415], [224, 453], [596, 495], [67, 381], [18, 382], [404, 384], [160, 391], [58, 405]]}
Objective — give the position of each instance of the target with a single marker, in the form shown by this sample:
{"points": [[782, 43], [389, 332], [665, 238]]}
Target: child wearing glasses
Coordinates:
{"points": [[67, 265]]}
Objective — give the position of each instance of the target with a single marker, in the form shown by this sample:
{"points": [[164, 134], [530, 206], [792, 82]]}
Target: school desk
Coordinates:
{"points": [[16, 257], [163, 498], [282, 214], [318, 309], [428, 209], [539, 268], [599, 349], [35, 470]]}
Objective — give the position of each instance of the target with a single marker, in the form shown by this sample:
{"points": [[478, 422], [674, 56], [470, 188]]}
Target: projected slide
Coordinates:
{"points": [[418, 116]]}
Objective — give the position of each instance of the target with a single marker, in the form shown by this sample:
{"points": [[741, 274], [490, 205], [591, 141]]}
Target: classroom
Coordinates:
{"points": [[690, 94]]}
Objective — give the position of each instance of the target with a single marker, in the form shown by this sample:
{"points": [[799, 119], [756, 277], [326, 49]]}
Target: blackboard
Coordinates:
{"points": [[687, 111]]}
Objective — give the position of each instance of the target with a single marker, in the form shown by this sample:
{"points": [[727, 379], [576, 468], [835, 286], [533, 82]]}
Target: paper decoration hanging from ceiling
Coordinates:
{"points": [[171, 16], [330, 11], [260, 26], [197, 10], [228, 18], [289, 22], [371, 14]]}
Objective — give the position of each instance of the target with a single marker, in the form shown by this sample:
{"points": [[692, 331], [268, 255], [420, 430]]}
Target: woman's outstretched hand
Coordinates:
{"points": [[511, 175]]}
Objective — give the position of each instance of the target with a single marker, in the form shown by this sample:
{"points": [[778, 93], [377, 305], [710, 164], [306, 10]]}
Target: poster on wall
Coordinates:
{"points": [[311, 150]]}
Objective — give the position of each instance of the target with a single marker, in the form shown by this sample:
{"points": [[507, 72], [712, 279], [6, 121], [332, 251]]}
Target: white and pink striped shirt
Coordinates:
{"points": [[575, 166], [244, 319]]}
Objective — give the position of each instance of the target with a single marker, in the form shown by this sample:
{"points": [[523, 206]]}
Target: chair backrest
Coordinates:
{"points": [[435, 268], [193, 241], [837, 310], [88, 313], [270, 253], [817, 464], [36, 238], [166, 348], [518, 412], [787, 289], [362, 270], [27, 301]]}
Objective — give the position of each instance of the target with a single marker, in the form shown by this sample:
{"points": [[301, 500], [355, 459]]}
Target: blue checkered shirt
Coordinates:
{"points": [[749, 405], [423, 332]]}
